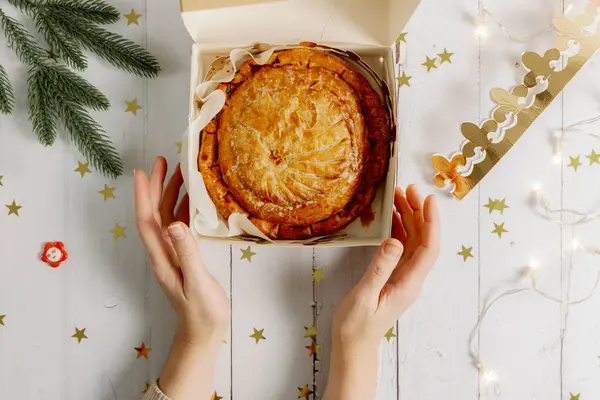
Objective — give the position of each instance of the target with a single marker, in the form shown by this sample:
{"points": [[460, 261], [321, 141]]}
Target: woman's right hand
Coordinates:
{"points": [[200, 302]]}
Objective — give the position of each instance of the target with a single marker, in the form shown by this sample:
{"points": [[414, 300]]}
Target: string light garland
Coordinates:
{"points": [[563, 134], [485, 16], [489, 376], [555, 215]]}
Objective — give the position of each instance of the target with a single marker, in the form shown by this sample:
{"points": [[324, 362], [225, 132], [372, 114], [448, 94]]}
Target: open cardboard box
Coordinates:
{"points": [[368, 28]]}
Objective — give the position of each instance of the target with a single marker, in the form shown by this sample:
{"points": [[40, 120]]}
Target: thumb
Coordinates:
{"points": [[186, 249], [383, 264]]}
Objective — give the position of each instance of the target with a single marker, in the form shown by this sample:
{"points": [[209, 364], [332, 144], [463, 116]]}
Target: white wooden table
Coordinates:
{"points": [[538, 349]]}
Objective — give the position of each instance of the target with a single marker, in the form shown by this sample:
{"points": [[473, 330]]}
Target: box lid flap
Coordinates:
{"points": [[370, 22]]}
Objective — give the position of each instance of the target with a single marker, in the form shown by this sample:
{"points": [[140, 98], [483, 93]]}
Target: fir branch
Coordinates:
{"points": [[26, 6], [70, 51], [94, 11], [42, 108], [20, 40], [114, 48], [89, 137], [75, 88], [7, 95]]}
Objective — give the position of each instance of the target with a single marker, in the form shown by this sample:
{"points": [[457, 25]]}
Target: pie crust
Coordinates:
{"points": [[300, 146]]}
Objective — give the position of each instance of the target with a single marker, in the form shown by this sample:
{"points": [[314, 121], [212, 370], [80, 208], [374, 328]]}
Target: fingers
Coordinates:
{"points": [[183, 210], [414, 272], [382, 265], [170, 195], [415, 200], [150, 232], [431, 225], [406, 212], [186, 249], [157, 180], [398, 231]]}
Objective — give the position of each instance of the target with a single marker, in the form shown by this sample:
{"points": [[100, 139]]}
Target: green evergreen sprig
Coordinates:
{"points": [[57, 95], [7, 96]]}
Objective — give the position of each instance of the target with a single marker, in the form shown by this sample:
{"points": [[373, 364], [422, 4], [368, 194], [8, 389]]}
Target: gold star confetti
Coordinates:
{"points": [[51, 55], [445, 56], [310, 332], [13, 208], [501, 205], [118, 231], [1, 176], [178, 144], [304, 393], [132, 106], [83, 168], [429, 63], [465, 253], [107, 192], [132, 17], [390, 334], [404, 80], [402, 37], [574, 397], [2, 319], [318, 275], [499, 229], [496, 204], [142, 351], [215, 396], [314, 349], [147, 387], [491, 205], [594, 159], [575, 163], [247, 254], [258, 335], [79, 335]]}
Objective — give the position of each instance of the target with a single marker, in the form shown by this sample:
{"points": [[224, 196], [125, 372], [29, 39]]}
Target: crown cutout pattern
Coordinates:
{"points": [[516, 110]]}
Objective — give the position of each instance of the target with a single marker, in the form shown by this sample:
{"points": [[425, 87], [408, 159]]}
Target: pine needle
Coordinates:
{"points": [[7, 95], [89, 137], [42, 107], [95, 11], [20, 40], [76, 88], [114, 48], [69, 51]]}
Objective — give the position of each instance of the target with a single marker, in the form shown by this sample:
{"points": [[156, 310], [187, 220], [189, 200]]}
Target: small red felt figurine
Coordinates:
{"points": [[54, 254]]}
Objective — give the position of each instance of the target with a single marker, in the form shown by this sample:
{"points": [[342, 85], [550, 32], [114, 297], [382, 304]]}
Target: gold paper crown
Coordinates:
{"points": [[487, 143]]}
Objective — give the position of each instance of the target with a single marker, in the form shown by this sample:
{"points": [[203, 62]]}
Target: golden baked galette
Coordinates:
{"points": [[300, 146]]}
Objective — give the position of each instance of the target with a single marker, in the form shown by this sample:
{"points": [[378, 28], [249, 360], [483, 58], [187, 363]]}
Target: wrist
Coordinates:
{"points": [[352, 373], [189, 370], [198, 340]]}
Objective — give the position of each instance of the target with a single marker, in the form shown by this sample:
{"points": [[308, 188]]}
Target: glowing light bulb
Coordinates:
{"points": [[381, 60], [557, 158], [569, 8], [534, 264], [536, 187], [575, 245], [490, 376], [481, 30]]}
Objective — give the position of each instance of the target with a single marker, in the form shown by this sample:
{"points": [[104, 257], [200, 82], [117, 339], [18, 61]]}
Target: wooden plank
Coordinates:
{"points": [[343, 268], [167, 110], [32, 295], [272, 292], [433, 361], [580, 324], [519, 339]]}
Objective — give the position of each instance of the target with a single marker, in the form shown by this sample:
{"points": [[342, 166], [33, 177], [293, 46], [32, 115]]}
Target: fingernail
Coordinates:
{"points": [[176, 231], [393, 249]]}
